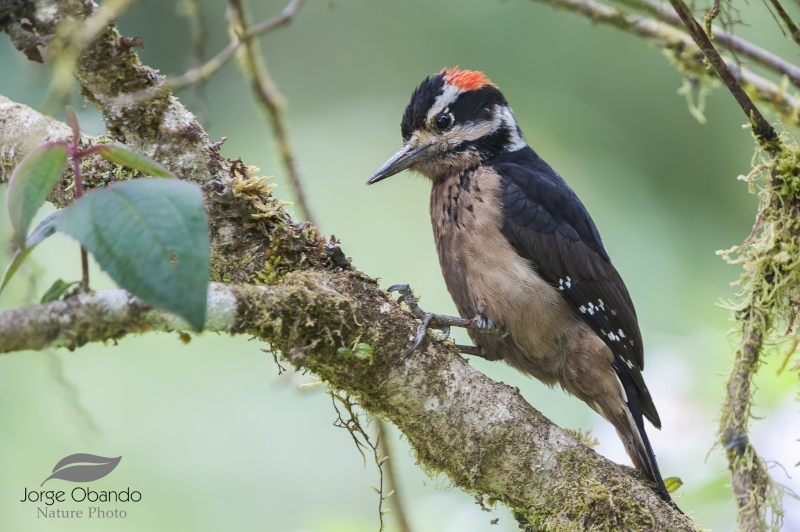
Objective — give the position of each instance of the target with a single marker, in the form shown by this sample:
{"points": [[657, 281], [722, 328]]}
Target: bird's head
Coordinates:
{"points": [[456, 120]]}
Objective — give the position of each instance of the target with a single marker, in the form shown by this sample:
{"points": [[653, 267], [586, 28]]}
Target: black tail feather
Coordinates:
{"points": [[635, 408]]}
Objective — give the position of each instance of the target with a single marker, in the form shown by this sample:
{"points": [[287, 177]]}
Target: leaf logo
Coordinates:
{"points": [[101, 467]]}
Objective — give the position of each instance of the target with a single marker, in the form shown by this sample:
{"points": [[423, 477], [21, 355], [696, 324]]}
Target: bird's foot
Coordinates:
{"points": [[408, 297], [479, 323]]}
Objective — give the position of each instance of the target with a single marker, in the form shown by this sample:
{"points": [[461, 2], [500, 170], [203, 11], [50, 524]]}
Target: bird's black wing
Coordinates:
{"points": [[548, 225]]}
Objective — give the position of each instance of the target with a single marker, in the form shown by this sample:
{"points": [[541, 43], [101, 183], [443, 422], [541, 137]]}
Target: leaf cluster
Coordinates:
{"points": [[150, 235]]}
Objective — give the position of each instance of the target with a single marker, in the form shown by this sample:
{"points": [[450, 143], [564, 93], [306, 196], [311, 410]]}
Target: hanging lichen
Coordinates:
{"points": [[766, 314]]}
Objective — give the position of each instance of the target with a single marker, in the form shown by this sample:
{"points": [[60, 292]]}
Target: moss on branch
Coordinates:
{"points": [[480, 433]]}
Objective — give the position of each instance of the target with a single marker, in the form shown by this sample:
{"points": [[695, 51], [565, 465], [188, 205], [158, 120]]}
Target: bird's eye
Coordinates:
{"points": [[443, 121]]}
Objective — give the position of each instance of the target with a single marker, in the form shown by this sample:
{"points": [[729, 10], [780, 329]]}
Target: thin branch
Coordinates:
{"points": [[102, 316], [710, 16], [752, 486], [271, 102], [684, 50], [763, 130], [750, 480], [205, 72], [794, 31], [395, 497], [729, 41], [193, 10]]}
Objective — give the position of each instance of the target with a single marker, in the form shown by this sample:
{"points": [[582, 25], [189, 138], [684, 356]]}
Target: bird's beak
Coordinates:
{"points": [[406, 157]]}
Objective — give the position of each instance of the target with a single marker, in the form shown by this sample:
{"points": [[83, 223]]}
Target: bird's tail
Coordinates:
{"points": [[630, 428]]}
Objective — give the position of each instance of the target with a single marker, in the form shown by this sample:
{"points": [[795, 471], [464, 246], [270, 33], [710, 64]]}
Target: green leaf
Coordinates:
{"points": [[672, 484], [363, 351], [56, 290], [32, 180], [151, 237], [45, 228], [125, 157], [13, 266]]}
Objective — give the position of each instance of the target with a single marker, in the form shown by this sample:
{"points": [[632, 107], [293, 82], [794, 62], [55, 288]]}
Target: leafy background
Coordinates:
{"points": [[210, 434]]}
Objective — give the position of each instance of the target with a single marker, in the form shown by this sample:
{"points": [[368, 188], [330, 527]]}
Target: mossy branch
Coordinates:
{"points": [[107, 65], [481, 433], [766, 314]]}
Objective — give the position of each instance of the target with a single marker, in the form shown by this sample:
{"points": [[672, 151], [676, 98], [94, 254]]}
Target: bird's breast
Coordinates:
{"points": [[485, 274]]}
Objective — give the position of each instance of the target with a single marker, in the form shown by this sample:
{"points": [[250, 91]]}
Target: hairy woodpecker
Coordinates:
{"points": [[521, 255]]}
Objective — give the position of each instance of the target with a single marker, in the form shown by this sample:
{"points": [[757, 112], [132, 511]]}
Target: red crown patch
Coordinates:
{"points": [[466, 80]]}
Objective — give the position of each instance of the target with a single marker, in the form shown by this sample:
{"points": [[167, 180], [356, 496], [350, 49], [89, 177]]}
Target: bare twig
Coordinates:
{"points": [[763, 130], [75, 155], [708, 19], [729, 41], [395, 496], [270, 100], [353, 426], [193, 10], [683, 49], [794, 31], [205, 72]]}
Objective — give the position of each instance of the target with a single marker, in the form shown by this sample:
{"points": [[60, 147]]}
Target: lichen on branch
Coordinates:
{"points": [[766, 314]]}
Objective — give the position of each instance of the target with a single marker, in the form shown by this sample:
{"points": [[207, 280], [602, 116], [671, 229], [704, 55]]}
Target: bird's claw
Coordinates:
{"points": [[408, 297], [422, 331], [480, 323]]}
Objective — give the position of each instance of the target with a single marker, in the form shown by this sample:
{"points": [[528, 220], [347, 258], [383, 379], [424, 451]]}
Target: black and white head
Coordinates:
{"points": [[457, 119]]}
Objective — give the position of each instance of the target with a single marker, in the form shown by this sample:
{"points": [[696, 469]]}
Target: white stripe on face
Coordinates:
{"points": [[443, 101], [471, 131], [507, 117]]}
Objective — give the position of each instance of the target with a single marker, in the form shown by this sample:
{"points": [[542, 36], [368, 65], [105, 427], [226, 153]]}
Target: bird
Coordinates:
{"points": [[522, 258]]}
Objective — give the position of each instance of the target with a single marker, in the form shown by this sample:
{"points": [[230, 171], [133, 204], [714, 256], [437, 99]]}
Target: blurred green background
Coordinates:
{"points": [[210, 434]]}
